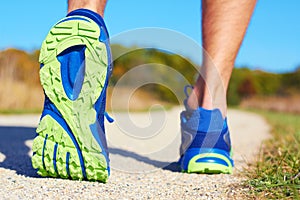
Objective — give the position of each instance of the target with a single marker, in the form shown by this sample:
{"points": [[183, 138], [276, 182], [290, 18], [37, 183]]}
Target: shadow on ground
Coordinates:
{"points": [[156, 163], [12, 145]]}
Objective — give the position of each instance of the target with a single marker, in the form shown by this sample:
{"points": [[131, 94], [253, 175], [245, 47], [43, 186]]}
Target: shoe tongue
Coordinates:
{"points": [[207, 120], [210, 120]]}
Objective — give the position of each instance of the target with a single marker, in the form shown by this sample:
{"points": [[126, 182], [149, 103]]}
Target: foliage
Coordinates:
{"points": [[291, 81], [247, 83], [17, 65], [277, 174], [168, 72]]}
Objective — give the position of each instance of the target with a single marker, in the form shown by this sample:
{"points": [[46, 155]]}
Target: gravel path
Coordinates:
{"points": [[141, 160]]}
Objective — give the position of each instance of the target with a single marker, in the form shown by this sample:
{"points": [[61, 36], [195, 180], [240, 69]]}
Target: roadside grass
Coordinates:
{"points": [[277, 172]]}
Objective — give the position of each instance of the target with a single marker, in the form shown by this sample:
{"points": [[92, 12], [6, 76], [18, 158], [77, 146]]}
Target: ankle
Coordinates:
{"points": [[196, 100], [96, 6], [203, 100]]}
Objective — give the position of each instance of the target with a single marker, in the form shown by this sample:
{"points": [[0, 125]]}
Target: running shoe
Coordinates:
{"points": [[75, 68], [206, 146]]}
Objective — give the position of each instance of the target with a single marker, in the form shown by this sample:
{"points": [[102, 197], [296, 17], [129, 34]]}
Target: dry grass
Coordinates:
{"points": [[280, 104], [123, 98], [18, 96]]}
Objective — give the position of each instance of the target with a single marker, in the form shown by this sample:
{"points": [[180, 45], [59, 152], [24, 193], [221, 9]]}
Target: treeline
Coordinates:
{"points": [[246, 83], [20, 66], [20, 90], [162, 73], [166, 73]]}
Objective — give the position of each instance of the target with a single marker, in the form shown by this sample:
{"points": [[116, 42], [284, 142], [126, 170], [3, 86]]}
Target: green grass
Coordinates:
{"points": [[277, 173]]}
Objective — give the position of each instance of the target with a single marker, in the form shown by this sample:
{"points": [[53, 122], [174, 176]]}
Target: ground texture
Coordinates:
{"points": [[142, 149]]}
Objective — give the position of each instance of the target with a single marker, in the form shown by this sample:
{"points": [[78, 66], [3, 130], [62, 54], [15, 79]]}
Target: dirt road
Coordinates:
{"points": [[142, 149]]}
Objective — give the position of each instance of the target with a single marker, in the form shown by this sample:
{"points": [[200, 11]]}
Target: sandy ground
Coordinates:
{"points": [[143, 147]]}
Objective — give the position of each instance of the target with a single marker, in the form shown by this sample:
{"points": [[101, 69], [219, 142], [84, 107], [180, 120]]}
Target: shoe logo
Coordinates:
{"points": [[187, 139], [226, 138]]}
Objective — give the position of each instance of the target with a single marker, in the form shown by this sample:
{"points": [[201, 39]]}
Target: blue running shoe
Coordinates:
{"points": [[75, 69], [206, 146]]}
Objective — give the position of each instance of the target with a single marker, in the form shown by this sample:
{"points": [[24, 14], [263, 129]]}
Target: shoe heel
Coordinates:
{"points": [[207, 161]]}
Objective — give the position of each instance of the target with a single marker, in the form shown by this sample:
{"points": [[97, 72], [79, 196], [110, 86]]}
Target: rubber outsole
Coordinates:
{"points": [[207, 163], [65, 146], [208, 168]]}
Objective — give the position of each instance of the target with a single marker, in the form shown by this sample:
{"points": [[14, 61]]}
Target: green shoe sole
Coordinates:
{"points": [[66, 145]]}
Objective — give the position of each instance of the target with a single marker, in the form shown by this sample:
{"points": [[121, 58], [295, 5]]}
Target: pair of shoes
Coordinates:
{"points": [[75, 69]]}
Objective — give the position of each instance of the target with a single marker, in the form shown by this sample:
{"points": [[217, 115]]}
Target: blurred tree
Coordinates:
{"points": [[154, 58], [17, 65], [23, 67], [291, 82], [267, 84], [246, 88]]}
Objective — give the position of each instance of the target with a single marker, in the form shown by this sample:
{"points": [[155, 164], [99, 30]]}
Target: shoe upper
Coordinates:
{"points": [[204, 129]]}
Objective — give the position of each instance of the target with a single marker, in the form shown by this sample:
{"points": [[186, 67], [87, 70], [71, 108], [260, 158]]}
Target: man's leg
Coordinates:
{"points": [[97, 6], [224, 23], [75, 69]]}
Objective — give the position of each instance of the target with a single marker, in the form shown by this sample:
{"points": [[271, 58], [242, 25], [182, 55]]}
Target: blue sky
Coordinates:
{"points": [[272, 42]]}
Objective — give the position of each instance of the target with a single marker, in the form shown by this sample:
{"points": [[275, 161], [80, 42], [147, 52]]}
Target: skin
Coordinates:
{"points": [[97, 6], [224, 24]]}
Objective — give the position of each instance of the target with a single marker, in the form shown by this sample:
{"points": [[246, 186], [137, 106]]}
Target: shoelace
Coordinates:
{"points": [[186, 90], [108, 118]]}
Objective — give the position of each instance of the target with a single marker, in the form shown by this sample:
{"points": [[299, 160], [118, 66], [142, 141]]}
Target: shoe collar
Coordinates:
{"points": [[209, 119]]}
